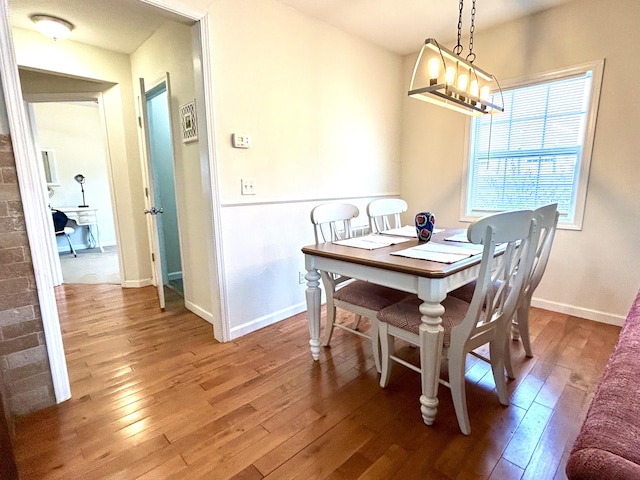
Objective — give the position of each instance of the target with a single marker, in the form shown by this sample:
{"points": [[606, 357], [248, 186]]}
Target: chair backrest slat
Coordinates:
{"points": [[332, 221], [382, 211], [547, 218]]}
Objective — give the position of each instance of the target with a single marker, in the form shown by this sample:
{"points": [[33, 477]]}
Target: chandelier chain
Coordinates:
{"points": [[458, 48], [472, 56]]}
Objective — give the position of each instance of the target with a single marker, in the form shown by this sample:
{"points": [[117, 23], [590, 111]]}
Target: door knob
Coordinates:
{"points": [[153, 211]]}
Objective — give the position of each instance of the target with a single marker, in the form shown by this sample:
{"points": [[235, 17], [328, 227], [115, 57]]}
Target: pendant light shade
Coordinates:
{"points": [[445, 78], [442, 77]]}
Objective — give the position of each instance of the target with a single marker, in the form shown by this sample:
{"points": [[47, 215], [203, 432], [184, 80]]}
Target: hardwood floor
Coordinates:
{"points": [[156, 397]]}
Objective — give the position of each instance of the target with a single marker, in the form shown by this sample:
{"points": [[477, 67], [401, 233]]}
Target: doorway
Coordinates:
{"points": [[71, 151], [36, 216]]}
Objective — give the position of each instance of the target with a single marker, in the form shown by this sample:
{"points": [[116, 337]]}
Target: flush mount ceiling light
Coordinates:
{"points": [[52, 27], [443, 77]]}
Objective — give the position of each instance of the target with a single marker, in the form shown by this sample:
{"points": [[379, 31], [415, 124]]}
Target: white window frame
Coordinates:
{"points": [[597, 70]]}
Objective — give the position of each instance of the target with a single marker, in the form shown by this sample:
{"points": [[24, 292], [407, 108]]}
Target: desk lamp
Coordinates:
{"points": [[80, 179]]}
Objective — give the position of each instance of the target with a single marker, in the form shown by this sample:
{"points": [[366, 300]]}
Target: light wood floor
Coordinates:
{"points": [[155, 397]]}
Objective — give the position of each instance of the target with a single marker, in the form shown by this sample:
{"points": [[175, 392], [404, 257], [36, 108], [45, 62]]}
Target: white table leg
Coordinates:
{"points": [[91, 240], [98, 238], [313, 310], [431, 337]]}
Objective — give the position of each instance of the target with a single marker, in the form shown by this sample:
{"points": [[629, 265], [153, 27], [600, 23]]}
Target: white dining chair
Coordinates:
{"points": [[547, 218], [468, 326], [332, 221], [384, 214]]}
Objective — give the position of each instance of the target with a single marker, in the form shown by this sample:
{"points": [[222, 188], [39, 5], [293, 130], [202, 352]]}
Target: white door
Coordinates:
{"points": [[150, 196]]}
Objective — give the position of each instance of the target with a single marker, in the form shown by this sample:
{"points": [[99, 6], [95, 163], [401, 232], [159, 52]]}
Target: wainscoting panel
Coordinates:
{"points": [[263, 259]]}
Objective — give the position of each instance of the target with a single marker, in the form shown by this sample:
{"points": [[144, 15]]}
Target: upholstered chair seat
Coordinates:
{"points": [[368, 295]]}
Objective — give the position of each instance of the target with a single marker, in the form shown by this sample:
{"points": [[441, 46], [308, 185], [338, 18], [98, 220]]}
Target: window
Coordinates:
{"points": [[538, 150]]}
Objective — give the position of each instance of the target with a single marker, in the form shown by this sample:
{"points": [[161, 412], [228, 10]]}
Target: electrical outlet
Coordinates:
{"points": [[248, 186], [301, 278]]}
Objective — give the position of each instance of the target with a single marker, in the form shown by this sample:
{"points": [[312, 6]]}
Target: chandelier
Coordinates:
{"points": [[443, 77]]}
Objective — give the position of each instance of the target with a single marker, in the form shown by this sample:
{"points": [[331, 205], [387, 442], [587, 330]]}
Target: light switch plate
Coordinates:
{"points": [[241, 140], [248, 186]]}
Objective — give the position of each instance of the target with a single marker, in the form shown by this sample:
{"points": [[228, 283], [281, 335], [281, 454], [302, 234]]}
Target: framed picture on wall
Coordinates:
{"points": [[189, 122]]}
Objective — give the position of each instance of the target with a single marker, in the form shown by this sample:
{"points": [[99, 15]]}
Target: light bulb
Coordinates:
{"points": [[484, 92], [473, 88], [463, 81], [451, 75], [434, 67]]}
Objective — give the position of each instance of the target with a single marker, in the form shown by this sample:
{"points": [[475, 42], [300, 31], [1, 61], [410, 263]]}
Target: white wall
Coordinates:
{"points": [[593, 273], [74, 132], [323, 109], [263, 257], [322, 106]]}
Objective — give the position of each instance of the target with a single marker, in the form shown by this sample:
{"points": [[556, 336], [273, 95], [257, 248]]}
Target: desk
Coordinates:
{"points": [[431, 281], [85, 216]]}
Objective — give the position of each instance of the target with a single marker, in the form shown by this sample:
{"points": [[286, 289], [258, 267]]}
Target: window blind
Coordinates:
{"points": [[530, 155]]}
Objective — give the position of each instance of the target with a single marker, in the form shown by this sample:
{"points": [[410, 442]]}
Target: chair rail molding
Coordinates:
{"points": [[286, 200]]}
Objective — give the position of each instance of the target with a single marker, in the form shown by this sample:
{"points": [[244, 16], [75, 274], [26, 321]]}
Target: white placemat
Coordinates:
{"points": [[438, 252], [372, 241]]}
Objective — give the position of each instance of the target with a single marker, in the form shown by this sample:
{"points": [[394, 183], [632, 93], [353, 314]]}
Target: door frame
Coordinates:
{"points": [[34, 202]]}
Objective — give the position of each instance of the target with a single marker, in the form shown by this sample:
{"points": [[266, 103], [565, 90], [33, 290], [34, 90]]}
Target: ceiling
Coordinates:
{"points": [[396, 25], [117, 25], [402, 25]]}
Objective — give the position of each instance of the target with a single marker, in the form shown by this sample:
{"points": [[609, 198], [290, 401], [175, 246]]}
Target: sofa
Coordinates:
{"points": [[608, 444]]}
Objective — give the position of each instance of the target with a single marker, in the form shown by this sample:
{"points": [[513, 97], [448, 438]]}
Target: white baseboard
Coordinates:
{"points": [[82, 246], [199, 311], [145, 282], [258, 323], [265, 321], [595, 315]]}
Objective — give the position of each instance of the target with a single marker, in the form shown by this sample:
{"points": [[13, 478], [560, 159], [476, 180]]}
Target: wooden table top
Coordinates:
{"points": [[382, 258]]}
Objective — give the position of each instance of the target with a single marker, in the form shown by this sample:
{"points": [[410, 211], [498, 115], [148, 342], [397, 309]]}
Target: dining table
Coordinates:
{"points": [[430, 280]]}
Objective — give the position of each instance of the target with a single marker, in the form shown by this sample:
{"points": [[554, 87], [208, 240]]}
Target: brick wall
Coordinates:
{"points": [[27, 384]]}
